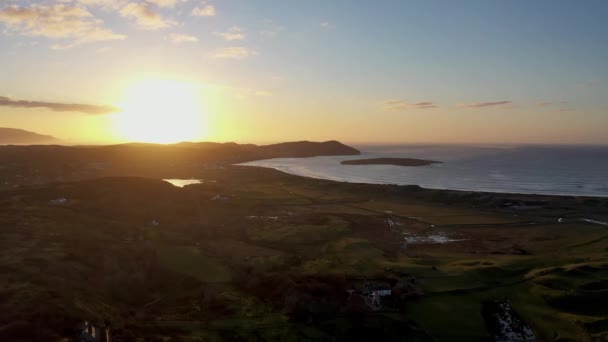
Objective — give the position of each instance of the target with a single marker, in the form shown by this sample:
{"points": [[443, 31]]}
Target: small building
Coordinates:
{"points": [[377, 290], [382, 291], [374, 295]]}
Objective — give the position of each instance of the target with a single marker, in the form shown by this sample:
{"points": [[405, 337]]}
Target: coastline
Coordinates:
{"points": [[319, 176], [346, 232], [559, 209], [409, 162]]}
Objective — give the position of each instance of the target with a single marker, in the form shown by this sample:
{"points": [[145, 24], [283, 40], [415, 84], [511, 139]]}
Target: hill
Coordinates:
{"points": [[303, 149], [15, 136], [23, 164]]}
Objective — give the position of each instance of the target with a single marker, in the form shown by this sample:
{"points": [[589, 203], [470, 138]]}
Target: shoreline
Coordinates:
{"points": [[409, 162], [424, 187]]}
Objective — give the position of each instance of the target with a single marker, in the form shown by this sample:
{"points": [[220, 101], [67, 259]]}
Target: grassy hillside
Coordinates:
{"points": [[273, 257]]}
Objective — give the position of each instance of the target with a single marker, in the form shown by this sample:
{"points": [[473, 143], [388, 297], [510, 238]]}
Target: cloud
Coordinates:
{"points": [[62, 46], [326, 24], [105, 4], [182, 38], [207, 11], [58, 21], [235, 52], [145, 17], [486, 104], [163, 3], [58, 107], [399, 105], [233, 33]]}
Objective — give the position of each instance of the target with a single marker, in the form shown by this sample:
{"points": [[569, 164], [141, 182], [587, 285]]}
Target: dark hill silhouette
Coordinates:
{"points": [[225, 152], [304, 149], [15, 136], [149, 160]]}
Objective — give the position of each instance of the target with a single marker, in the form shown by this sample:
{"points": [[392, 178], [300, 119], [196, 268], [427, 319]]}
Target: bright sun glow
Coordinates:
{"points": [[162, 111]]}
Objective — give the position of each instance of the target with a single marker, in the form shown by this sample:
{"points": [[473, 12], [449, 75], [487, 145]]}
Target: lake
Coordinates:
{"points": [[183, 182]]}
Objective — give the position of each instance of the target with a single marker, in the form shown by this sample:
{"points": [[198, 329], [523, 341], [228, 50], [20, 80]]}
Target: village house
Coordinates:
{"points": [[374, 293], [379, 290]]}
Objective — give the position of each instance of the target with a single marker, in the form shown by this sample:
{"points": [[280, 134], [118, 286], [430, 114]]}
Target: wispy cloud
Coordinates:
{"points": [[486, 104], [58, 21], [145, 16], [206, 11], [57, 106], [235, 52], [233, 33], [106, 4], [326, 24], [164, 3], [399, 105], [182, 38]]}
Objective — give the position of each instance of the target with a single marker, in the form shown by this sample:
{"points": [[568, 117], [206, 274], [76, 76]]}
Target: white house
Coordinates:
{"points": [[382, 292]]}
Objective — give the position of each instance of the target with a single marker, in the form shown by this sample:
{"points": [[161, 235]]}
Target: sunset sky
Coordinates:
{"points": [[108, 71]]}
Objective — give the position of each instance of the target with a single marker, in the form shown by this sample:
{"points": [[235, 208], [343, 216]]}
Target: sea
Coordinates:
{"points": [[549, 170]]}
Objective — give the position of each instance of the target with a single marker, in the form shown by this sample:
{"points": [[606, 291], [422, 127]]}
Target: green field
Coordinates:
{"points": [[274, 258]]}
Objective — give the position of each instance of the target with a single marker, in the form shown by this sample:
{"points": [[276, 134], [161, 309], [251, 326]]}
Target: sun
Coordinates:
{"points": [[162, 111]]}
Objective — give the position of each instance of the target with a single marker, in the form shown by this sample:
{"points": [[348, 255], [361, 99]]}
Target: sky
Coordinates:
{"points": [[260, 71]]}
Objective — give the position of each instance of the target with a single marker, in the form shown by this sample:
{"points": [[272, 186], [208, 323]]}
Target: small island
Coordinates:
{"points": [[390, 161]]}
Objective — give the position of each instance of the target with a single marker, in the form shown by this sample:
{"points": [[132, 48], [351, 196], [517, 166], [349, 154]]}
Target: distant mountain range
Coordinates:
{"points": [[15, 136], [207, 151]]}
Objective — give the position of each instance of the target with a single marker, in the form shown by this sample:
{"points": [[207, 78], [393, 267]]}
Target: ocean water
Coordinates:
{"points": [[552, 170]]}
